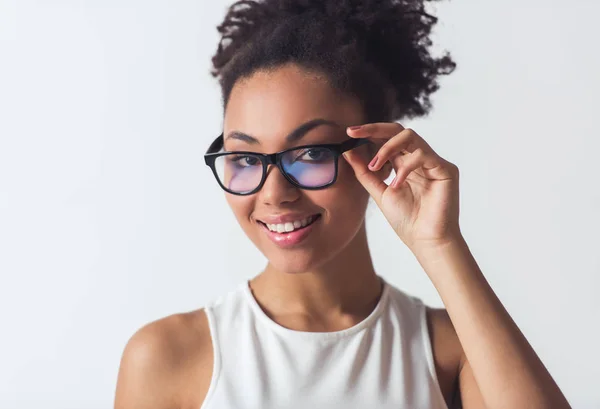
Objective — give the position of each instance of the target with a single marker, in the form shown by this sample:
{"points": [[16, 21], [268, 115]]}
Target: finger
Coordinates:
{"points": [[376, 130], [396, 145], [369, 179], [405, 142], [432, 165]]}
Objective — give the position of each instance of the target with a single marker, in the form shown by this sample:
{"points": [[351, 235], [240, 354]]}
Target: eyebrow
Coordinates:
{"points": [[294, 136]]}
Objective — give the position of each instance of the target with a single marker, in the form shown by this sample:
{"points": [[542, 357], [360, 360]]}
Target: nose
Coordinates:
{"points": [[277, 189]]}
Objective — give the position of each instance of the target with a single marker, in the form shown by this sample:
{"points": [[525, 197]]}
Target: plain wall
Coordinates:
{"points": [[109, 218]]}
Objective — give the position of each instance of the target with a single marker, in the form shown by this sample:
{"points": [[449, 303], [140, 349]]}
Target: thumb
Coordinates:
{"points": [[370, 180]]}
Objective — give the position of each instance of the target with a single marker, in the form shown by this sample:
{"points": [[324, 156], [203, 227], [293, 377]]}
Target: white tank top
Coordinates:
{"points": [[384, 361]]}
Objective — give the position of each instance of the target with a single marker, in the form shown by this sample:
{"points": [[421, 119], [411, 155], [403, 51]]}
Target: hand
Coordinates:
{"points": [[422, 202]]}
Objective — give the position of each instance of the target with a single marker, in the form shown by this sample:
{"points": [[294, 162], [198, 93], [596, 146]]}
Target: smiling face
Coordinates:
{"points": [[266, 108]]}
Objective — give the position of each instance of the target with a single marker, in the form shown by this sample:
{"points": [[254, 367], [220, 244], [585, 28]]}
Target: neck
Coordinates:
{"points": [[343, 286]]}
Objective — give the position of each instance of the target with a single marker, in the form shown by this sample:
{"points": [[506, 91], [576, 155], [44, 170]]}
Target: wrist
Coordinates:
{"points": [[453, 241], [436, 257]]}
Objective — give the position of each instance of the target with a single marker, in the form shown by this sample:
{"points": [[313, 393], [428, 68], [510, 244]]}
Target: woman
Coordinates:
{"points": [[319, 327]]}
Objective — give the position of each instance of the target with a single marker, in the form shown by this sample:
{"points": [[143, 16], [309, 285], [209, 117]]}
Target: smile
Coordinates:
{"points": [[292, 233], [291, 226]]}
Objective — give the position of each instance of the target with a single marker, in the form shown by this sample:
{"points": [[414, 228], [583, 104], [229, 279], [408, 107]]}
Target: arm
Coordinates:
{"points": [[422, 205], [498, 366], [146, 372], [166, 364]]}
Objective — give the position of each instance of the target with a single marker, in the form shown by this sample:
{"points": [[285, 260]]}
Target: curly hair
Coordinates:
{"points": [[375, 50]]}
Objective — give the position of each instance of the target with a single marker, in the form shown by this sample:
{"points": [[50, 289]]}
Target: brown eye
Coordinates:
{"points": [[314, 155], [245, 161]]}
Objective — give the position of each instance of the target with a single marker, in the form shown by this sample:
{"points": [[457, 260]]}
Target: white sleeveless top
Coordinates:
{"points": [[384, 361]]}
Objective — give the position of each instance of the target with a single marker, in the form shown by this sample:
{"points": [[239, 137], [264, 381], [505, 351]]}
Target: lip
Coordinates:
{"points": [[290, 239]]}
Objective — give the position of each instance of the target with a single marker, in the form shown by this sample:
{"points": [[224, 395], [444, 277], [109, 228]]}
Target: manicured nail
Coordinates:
{"points": [[373, 162], [354, 128]]}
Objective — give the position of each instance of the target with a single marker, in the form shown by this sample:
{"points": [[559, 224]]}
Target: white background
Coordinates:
{"points": [[109, 218]]}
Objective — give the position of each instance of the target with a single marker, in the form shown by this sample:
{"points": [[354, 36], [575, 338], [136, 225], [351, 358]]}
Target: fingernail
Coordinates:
{"points": [[373, 162], [354, 128]]}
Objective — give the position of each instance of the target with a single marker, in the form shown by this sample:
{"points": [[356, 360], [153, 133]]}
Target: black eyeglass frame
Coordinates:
{"points": [[275, 159]]}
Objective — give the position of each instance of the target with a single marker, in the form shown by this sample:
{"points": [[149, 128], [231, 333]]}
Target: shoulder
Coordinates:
{"points": [[166, 363], [447, 351]]}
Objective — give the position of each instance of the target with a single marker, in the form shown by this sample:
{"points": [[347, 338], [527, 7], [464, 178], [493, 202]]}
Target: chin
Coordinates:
{"points": [[297, 262]]}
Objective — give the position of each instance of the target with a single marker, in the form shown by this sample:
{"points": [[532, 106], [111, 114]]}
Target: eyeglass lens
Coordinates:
{"points": [[309, 167]]}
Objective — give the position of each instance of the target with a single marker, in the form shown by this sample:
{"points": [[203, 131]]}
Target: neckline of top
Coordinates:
{"points": [[376, 312]]}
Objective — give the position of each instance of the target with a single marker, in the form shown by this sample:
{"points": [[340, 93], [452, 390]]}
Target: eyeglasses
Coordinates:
{"points": [[309, 167]]}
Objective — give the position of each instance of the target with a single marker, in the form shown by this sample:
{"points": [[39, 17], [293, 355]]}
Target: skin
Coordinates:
{"points": [[328, 283]]}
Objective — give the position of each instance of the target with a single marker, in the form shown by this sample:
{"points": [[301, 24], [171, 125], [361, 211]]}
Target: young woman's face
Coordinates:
{"points": [[268, 107]]}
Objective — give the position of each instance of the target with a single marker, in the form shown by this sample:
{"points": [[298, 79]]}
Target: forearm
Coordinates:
{"points": [[507, 370]]}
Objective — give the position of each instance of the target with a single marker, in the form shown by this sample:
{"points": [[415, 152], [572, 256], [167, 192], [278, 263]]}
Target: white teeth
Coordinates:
{"points": [[290, 226]]}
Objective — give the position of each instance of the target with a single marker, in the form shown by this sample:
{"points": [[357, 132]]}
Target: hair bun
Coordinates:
{"points": [[387, 39]]}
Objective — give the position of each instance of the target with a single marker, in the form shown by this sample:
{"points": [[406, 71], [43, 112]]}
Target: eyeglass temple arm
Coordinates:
{"points": [[353, 143], [216, 146]]}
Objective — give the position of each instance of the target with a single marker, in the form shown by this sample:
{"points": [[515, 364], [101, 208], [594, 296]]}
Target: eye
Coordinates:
{"points": [[314, 155], [244, 161]]}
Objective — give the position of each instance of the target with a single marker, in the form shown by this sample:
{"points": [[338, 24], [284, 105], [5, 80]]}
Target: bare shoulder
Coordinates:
{"points": [[447, 353], [166, 364]]}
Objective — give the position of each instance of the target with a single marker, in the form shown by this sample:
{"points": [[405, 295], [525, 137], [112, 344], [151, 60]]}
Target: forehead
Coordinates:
{"points": [[270, 104]]}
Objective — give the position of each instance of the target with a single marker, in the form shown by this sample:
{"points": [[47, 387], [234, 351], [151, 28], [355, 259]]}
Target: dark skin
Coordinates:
{"points": [[329, 283]]}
